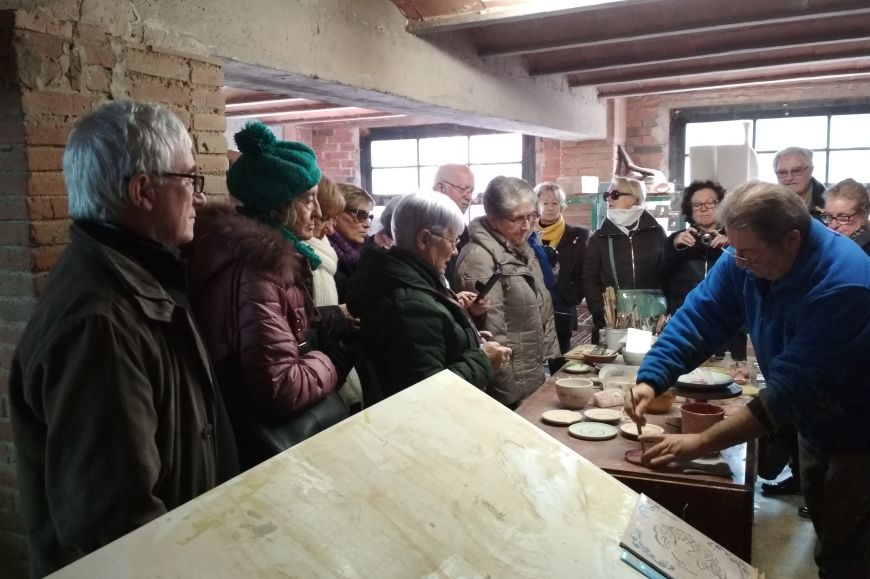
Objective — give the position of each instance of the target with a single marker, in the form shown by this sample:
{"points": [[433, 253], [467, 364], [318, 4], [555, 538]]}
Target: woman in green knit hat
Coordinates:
{"points": [[250, 275]]}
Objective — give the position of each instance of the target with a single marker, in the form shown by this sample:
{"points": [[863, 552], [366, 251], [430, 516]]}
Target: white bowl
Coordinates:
{"points": [[633, 358], [574, 393]]}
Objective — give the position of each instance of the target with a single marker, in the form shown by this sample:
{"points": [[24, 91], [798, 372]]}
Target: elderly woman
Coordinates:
{"points": [[521, 312], [846, 211], [384, 236], [351, 226], [412, 324], [569, 242], [623, 252], [248, 283]]}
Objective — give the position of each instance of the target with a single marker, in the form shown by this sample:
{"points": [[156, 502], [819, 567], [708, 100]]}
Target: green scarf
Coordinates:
{"points": [[303, 248]]}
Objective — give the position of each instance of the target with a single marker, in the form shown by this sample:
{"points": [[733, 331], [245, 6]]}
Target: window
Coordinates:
{"points": [[838, 135], [401, 160]]}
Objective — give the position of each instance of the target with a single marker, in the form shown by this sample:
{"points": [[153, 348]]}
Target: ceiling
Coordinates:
{"points": [[624, 47]]}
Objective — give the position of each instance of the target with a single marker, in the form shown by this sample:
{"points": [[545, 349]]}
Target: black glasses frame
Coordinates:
{"points": [[361, 215], [841, 219], [614, 195], [195, 178]]}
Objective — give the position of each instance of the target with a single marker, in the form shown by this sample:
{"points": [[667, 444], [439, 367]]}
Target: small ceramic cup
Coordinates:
{"points": [[699, 416], [574, 393]]}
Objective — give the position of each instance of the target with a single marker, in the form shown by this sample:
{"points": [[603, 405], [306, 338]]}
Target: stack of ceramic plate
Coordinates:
{"points": [[705, 383]]}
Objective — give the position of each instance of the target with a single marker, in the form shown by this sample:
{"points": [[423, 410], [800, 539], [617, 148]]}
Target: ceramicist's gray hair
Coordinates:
{"points": [[109, 146], [853, 191], [418, 211], [793, 151], [504, 194], [768, 210], [557, 191]]}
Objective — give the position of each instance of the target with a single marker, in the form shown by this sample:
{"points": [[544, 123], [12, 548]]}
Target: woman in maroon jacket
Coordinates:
{"points": [[247, 270]]}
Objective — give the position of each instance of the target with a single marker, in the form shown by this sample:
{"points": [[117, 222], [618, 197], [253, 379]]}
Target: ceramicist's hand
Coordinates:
{"points": [[669, 448], [685, 238], [498, 355], [643, 395]]}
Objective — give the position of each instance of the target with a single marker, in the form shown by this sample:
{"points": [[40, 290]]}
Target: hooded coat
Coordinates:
{"points": [[521, 312], [411, 325]]}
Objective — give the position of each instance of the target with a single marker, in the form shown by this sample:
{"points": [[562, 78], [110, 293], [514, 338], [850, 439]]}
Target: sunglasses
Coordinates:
{"points": [[361, 215], [615, 195]]}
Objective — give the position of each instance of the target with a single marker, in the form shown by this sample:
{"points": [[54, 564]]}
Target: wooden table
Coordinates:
{"points": [[437, 481], [718, 507]]}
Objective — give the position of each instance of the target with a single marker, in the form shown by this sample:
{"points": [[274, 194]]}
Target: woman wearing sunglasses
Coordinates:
{"points": [[847, 207], [351, 227], [622, 254]]}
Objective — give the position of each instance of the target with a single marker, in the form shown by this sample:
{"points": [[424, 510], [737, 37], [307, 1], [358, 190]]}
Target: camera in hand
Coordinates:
{"points": [[705, 238]]}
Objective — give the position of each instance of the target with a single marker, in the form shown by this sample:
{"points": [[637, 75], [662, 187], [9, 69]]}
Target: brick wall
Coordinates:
{"points": [[53, 72], [338, 152]]}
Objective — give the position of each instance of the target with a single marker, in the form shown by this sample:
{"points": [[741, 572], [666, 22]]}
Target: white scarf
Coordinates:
{"points": [[625, 218], [325, 292]]}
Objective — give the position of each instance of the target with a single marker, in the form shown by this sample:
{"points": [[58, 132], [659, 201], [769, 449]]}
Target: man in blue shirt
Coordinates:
{"points": [[804, 294]]}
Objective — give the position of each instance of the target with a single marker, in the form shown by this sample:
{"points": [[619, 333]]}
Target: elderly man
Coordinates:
{"points": [[804, 294], [115, 415], [457, 182], [794, 169]]}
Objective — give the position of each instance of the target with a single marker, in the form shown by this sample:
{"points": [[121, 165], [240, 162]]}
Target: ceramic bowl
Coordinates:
{"points": [[633, 358], [605, 358], [574, 393]]}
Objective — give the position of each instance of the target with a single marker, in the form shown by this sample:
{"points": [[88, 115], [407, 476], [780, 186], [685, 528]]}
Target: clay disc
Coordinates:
{"points": [[633, 456], [608, 415], [592, 431], [629, 430], [561, 417], [577, 368]]}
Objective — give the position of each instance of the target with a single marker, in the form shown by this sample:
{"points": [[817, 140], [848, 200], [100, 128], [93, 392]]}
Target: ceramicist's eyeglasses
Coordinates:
{"points": [[464, 190], [783, 173], [744, 261], [195, 179], [706, 205], [842, 219], [361, 215], [614, 195], [530, 218], [453, 242]]}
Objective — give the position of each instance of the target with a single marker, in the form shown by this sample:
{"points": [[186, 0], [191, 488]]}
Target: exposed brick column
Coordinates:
{"points": [[53, 72], [338, 153]]}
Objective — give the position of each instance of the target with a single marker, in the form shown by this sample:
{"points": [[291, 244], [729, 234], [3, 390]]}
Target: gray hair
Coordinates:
{"points": [[386, 217], [768, 210], [418, 211], [112, 144], [807, 154], [853, 191], [557, 191], [504, 194]]}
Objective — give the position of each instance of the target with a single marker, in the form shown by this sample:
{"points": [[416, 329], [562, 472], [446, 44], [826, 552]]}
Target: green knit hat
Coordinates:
{"points": [[270, 173]]}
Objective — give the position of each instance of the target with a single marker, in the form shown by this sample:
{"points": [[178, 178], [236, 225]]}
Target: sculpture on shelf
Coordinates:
{"points": [[655, 180]]}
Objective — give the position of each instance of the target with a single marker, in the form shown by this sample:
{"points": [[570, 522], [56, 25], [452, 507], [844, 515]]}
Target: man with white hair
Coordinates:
{"points": [[456, 182], [794, 169], [115, 415]]}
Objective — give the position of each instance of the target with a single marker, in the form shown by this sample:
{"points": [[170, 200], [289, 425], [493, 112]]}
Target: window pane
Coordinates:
{"points": [[776, 134], [427, 178], [845, 164], [396, 153], [850, 131], [483, 174], [718, 133], [441, 150], [500, 148], [394, 181]]}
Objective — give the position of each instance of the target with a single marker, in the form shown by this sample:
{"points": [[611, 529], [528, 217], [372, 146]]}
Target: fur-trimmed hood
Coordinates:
{"points": [[222, 236]]}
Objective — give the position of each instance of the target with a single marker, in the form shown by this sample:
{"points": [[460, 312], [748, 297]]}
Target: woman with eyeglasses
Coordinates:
{"points": [[623, 252], [521, 311], [351, 227], [847, 208], [412, 325]]}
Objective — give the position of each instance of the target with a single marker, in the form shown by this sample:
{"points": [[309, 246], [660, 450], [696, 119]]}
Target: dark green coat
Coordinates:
{"points": [[411, 325]]}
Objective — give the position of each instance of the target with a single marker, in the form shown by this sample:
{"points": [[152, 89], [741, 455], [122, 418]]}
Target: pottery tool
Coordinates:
{"points": [[636, 420]]}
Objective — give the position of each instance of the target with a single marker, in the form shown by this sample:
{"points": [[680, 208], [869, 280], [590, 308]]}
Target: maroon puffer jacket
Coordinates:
{"points": [[236, 260]]}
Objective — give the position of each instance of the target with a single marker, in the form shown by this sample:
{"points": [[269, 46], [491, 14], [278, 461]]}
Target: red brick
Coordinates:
{"points": [[47, 129], [212, 163], [91, 33], [208, 99], [13, 183], [14, 233], [14, 258], [49, 232], [56, 207], [216, 185], [157, 64], [40, 46], [96, 53], [348, 147], [210, 142], [45, 184], [209, 122], [46, 256], [13, 207], [11, 131], [158, 90], [40, 21], [204, 73], [44, 158], [97, 79]]}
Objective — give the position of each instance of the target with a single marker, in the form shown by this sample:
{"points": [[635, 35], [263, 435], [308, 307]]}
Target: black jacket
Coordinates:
{"points": [[568, 290], [682, 269]]}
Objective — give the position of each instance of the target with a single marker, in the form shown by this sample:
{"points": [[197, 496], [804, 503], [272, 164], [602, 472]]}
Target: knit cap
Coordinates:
{"points": [[270, 173]]}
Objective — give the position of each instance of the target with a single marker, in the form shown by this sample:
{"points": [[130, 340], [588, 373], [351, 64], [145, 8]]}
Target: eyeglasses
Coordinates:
{"points": [[615, 195], [464, 190], [530, 218], [361, 215], [744, 261], [841, 219], [197, 180], [706, 205], [783, 173], [453, 242]]}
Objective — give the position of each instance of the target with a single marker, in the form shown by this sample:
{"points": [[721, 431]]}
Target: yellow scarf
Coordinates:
{"points": [[552, 233]]}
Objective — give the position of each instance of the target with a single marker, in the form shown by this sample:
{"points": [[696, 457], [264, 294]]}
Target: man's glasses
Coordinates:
{"points": [[464, 190], [614, 195], [453, 242], [197, 180], [842, 219], [783, 173], [530, 218], [706, 205], [744, 261], [361, 215]]}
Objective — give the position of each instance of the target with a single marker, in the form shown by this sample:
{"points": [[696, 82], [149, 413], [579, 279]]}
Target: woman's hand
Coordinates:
{"points": [[686, 238], [475, 308], [498, 355], [352, 322], [719, 241]]}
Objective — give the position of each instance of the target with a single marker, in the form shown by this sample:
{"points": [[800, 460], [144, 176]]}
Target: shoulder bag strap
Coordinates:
{"points": [[612, 261]]}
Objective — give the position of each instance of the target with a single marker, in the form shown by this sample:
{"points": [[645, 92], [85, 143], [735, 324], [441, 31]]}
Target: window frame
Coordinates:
{"points": [[680, 117]]}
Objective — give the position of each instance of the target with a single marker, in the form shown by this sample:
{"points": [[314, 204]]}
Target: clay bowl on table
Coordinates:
{"points": [[603, 358], [574, 393]]}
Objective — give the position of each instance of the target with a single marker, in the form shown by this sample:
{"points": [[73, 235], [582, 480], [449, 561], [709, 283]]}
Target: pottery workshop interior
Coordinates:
{"points": [[435, 288]]}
